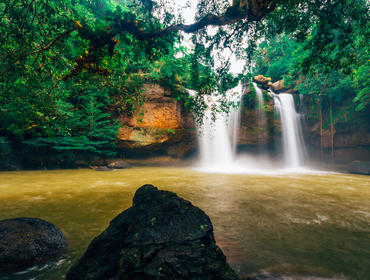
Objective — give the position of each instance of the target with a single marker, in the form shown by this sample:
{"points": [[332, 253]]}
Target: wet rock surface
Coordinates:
{"points": [[28, 241], [101, 168], [119, 164], [359, 167], [162, 236]]}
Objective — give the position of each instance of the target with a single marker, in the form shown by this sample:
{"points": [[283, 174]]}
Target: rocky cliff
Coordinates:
{"points": [[161, 126], [347, 141]]}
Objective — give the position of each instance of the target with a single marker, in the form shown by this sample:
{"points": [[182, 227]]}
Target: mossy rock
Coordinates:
{"points": [[162, 236]]}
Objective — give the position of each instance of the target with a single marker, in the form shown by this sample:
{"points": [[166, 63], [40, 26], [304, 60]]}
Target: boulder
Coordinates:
{"points": [[28, 241], [359, 167], [162, 236], [11, 167], [278, 86], [262, 80], [101, 168], [119, 164]]}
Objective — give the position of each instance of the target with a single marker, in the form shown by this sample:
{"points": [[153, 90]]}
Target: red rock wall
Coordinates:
{"points": [[161, 125]]}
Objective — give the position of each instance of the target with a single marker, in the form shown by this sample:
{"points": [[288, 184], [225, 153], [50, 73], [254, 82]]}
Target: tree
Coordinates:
{"points": [[55, 52], [252, 18]]}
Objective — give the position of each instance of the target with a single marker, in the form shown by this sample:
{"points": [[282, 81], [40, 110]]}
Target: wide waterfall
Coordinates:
{"points": [[219, 136], [293, 143]]}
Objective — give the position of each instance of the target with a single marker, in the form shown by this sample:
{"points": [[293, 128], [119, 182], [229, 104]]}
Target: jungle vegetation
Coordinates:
{"points": [[68, 68]]}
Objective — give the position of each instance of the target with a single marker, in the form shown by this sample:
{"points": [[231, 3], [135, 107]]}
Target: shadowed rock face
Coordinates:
{"points": [[162, 236], [28, 241], [359, 167]]}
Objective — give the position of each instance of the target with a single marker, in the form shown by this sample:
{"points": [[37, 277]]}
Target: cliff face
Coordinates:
{"points": [[161, 126], [350, 142]]}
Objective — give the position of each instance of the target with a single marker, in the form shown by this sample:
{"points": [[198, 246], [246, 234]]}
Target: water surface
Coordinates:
{"points": [[289, 224]]}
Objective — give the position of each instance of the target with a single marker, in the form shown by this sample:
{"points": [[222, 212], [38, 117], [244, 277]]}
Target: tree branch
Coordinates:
{"points": [[251, 10], [48, 46]]}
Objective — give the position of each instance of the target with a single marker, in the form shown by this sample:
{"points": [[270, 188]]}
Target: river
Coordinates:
{"points": [[289, 224]]}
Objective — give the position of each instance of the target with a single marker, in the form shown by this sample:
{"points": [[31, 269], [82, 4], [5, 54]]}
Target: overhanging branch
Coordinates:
{"points": [[251, 10]]}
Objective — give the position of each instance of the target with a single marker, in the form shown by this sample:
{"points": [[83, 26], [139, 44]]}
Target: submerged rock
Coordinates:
{"points": [[162, 236], [28, 241]]}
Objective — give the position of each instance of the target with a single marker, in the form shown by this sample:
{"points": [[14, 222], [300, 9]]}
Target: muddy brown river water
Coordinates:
{"points": [[288, 224]]}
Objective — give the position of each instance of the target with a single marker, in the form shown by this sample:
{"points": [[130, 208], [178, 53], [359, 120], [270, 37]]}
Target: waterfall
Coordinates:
{"points": [[219, 136], [261, 115], [219, 133], [293, 143]]}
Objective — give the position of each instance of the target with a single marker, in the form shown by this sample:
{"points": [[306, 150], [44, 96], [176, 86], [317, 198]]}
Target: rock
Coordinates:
{"points": [[155, 125], [101, 168], [162, 236], [359, 167], [119, 164], [12, 167], [156, 161], [278, 86], [262, 80], [28, 241]]}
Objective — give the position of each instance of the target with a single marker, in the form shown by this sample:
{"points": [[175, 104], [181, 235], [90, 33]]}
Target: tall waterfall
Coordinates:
{"points": [[261, 115], [293, 142], [219, 136], [218, 139]]}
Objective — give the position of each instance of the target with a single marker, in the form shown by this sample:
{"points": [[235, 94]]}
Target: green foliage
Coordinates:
{"points": [[62, 85], [69, 68], [362, 86], [339, 93], [274, 58]]}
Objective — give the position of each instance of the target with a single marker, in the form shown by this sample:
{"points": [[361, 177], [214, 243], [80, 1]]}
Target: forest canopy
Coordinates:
{"points": [[69, 67]]}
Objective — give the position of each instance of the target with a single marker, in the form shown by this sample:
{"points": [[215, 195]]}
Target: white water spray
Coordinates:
{"points": [[219, 134]]}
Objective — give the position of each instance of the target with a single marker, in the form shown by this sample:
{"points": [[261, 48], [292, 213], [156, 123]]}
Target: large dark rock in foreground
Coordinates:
{"points": [[162, 236], [28, 241]]}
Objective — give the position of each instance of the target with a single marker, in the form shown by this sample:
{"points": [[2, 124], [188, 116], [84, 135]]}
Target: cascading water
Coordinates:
{"points": [[219, 133], [293, 142], [261, 115]]}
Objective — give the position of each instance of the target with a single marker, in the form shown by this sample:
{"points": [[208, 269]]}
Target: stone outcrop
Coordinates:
{"points": [[28, 241], [359, 167], [161, 126], [119, 164], [264, 82], [277, 87], [162, 236], [349, 142]]}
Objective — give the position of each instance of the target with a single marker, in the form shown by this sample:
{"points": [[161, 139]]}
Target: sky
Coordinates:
{"points": [[188, 13]]}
